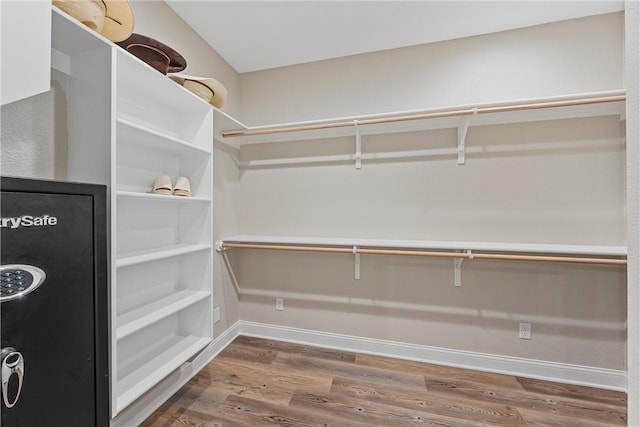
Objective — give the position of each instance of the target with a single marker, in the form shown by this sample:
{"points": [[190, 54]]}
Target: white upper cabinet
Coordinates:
{"points": [[25, 48]]}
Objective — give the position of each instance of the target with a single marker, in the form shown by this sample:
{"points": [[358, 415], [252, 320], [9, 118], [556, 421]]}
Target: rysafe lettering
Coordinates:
{"points": [[28, 221]]}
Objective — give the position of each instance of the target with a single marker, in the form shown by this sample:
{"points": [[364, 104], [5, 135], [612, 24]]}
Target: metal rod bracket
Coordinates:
{"points": [[219, 246]]}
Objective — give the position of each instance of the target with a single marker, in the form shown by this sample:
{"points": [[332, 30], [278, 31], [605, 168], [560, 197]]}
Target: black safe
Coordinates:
{"points": [[54, 304]]}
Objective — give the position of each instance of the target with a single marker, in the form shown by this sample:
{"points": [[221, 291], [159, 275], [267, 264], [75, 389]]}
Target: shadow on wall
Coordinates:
{"points": [[34, 136]]}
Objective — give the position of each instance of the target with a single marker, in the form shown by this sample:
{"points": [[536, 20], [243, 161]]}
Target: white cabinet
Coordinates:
{"points": [[127, 125], [25, 49]]}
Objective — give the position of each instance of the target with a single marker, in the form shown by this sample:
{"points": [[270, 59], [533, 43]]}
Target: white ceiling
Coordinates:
{"points": [[258, 35]]}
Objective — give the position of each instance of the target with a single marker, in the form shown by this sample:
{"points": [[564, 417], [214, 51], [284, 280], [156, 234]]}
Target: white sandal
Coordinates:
{"points": [[182, 187], [162, 185]]}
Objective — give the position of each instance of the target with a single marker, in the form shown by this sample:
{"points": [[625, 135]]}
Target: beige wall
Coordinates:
{"points": [[552, 182], [156, 19], [555, 59]]}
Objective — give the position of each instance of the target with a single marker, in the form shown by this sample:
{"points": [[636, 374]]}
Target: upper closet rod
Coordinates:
{"points": [[467, 254], [431, 115]]}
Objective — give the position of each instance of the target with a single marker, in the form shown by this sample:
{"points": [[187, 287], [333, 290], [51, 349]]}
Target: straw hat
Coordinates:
{"points": [[206, 88], [157, 54], [111, 18], [118, 20]]}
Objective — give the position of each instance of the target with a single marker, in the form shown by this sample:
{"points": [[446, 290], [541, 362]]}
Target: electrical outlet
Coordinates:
{"points": [[279, 304], [216, 315], [525, 331]]}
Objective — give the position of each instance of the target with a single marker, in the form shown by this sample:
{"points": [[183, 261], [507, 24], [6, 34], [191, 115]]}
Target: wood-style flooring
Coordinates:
{"points": [[259, 382]]}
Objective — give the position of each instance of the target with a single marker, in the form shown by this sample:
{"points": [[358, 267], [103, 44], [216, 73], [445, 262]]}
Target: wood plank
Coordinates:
{"points": [[547, 419], [522, 399], [246, 382], [423, 401], [249, 353], [191, 418], [303, 365], [255, 413], [193, 396], [591, 394], [293, 348], [197, 397], [274, 374], [350, 409], [438, 371]]}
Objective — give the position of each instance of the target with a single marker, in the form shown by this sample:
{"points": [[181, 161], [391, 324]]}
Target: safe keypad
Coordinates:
{"points": [[14, 281]]}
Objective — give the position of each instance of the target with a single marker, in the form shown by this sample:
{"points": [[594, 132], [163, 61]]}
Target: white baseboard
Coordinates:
{"points": [[551, 371], [139, 410]]}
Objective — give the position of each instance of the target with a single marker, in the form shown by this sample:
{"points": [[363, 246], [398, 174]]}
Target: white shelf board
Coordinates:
{"points": [[494, 118], [139, 257], [135, 73], [222, 120], [70, 36], [156, 140], [141, 317], [161, 197], [164, 357], [434, 244]]}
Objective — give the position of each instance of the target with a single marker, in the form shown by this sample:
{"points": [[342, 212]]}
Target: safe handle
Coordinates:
{"points": [[12, 364]]}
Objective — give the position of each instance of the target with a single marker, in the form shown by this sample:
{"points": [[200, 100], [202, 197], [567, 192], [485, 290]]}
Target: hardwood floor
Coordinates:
{"points": [[258, 382]]}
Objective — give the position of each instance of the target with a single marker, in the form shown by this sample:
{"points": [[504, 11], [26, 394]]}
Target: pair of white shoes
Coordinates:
{"points": [[162, 185]]}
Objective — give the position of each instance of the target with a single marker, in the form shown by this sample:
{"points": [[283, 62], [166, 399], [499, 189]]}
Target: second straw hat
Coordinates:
{"points": [[206, 88]]}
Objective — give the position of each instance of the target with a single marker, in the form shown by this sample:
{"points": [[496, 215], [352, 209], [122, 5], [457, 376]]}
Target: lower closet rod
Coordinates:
{"points": [[473, 255]]}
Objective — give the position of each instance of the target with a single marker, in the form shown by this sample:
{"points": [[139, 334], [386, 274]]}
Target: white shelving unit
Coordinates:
{"points": [[460, 117], [457, 250], [160, 321], [580, 105], [127, 125], [584, 250]]}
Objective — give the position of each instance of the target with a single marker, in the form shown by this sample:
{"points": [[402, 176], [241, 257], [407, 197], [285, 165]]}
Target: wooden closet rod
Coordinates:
{"points": [[432, 115], [468, 255]]}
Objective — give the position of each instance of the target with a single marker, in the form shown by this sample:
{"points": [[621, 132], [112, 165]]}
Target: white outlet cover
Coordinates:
{"points": [[525, 331]]}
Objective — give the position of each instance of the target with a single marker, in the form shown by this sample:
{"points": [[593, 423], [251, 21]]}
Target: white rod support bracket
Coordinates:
{"points": [[457, 272], [219, 246], [463, 127], [356, 263], [358, 145], [457, 268]]}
